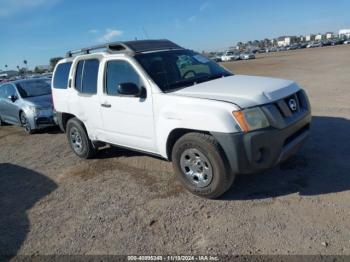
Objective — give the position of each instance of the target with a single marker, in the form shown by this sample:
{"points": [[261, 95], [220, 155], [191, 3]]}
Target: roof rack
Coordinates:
{"points": [[133, 47], [111, 47]]}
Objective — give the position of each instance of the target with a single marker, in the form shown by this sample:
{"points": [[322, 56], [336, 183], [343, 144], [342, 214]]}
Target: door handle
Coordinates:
{"points": [[106, 105]]}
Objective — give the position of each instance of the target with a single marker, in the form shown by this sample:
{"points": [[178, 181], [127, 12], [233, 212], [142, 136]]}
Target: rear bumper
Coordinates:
{"points": [[263, 149]]}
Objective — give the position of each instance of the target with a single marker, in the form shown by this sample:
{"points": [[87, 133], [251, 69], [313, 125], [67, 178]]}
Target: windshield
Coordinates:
{"points": [[33, 88], [172, 70]]}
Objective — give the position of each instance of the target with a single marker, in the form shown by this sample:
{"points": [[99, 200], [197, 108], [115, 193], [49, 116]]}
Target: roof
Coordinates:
{"points": [[18, 81], [133, 47]]}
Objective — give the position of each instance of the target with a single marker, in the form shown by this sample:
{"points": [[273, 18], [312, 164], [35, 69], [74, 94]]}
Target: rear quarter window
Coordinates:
{"points": [[60, 80]]}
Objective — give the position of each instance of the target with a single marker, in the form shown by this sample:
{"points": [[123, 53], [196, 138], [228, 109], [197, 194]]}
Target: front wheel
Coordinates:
{"points": [[25, 123], [1, 122], [201, 166], [79, 140]]}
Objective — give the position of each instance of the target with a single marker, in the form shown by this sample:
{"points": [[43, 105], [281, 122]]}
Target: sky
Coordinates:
{"points": [[37, 30]]}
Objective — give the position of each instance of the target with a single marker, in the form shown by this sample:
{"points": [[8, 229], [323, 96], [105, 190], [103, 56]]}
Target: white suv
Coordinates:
{"points": [[156, 97]]}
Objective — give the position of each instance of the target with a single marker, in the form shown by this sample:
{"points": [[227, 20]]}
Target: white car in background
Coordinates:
{"points": [[247, 56], [230, 56]]}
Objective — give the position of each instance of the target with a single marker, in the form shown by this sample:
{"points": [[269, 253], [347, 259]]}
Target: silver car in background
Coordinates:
{"points": [[27, 103]]}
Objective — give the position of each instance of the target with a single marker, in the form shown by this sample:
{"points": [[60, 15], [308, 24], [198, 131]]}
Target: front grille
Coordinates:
{"points": [[292, 104], [44, 121]]}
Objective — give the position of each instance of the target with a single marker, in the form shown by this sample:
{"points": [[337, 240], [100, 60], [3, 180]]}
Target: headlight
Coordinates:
{"points": [[33, 110], [251, 119]]}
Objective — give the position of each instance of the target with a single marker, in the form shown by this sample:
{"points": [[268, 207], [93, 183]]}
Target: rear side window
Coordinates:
{"points": [[86, 76], [60, 79]]}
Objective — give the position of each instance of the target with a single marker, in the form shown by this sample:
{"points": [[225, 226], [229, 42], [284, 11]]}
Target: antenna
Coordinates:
{"points": [[145, 32]]}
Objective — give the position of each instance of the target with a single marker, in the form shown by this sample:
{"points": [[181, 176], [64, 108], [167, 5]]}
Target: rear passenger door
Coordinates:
{"points": [[87, 106], [127, 121]]}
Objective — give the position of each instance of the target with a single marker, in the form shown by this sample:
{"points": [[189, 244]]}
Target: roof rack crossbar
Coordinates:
{"points": [[133, 47], [112, 47]]}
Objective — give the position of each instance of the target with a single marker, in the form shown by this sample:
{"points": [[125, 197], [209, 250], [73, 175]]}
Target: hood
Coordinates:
{"points": [[244, 91], [40, 101]]}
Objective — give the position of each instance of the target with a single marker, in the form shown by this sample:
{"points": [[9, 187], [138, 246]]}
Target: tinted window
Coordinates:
{"points": [[33, 88], [2, 91], [61, 76], [120, 72], [78, 75], [10, 91], [90, 73]]}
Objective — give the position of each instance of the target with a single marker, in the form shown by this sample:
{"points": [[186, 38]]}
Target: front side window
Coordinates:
{"points": [[172, 70], [86, 76], [3, 91], [60, 79], [10, 91], [32, 88], [119, 72]]}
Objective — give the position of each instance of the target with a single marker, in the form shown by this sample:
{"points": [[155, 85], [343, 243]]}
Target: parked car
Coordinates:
{"points": [[347, 42], [210, 123], [216, 58], [247, 56], [314, 44], [230, 56], [26, 103], [336, 42]]}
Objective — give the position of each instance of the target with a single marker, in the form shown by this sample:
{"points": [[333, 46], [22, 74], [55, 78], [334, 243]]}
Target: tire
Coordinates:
{"points": [[79, 140], [2, 123], [25, 124], [201, 165]]}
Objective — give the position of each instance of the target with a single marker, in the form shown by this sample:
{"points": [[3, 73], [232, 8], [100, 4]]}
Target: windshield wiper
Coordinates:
{"points": [[179, 84], [210, 77]]}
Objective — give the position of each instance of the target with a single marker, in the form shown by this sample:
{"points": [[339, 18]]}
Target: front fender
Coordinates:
{"points": [[203, 115]]}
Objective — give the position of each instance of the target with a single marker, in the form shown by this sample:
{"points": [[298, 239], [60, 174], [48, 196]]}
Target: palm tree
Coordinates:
{"points": [[18, 68], [26, 67], [6, 67]]}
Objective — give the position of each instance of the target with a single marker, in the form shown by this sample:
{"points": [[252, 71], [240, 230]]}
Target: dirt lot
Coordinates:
{"points": [[126, 203]]}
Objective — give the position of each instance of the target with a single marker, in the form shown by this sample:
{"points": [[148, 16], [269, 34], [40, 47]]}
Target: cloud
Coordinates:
{"points": [[204, 6], [13, 7], [93, 31], [192, 18], [109, 35]]}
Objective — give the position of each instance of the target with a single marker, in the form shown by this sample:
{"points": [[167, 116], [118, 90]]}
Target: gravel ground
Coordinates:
{"points": [[127, 203]]}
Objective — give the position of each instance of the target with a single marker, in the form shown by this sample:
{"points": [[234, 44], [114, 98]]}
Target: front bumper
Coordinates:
{"points": [[40, 121], [262, 149]]}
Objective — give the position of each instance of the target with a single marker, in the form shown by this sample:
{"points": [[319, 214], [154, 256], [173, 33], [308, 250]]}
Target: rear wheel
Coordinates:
{"points": [[1, 122], [25, 123], [201, 166], [79, 140]]}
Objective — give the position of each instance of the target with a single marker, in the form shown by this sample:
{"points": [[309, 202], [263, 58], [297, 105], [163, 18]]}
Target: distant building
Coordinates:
{"points": [[344, 33], [309, 38], [329, 35], [286, 40], [301, 38], [318, 37]]}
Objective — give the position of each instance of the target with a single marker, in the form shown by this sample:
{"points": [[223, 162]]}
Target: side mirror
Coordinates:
{"points": [[13, 98], [129, 89]]}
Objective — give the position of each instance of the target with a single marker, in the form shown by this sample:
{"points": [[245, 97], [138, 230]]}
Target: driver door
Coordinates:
{"points": [[127, 120], [10, 108]]}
